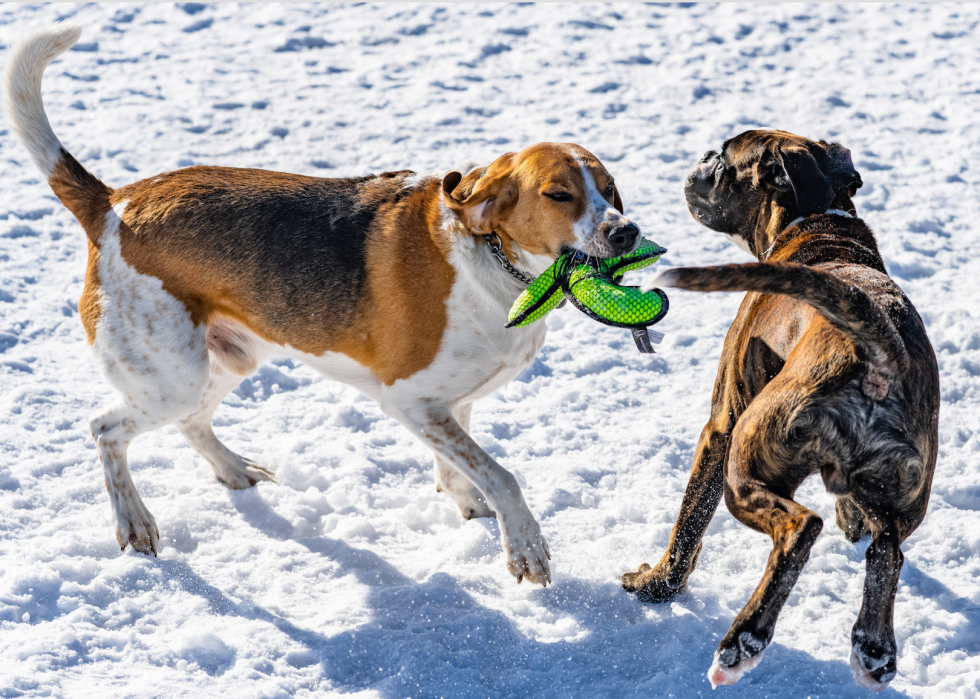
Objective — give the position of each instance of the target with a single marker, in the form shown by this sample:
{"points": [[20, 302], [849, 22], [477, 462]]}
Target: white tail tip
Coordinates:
{"points": [[661, 279], [25, 109]]}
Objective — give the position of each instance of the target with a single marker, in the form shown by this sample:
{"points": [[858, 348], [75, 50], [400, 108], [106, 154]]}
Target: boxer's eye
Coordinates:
{"points": [[559, 196]]}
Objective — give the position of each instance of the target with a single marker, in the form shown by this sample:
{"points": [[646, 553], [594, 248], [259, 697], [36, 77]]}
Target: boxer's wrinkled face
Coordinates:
{"points": [[762, 180]]}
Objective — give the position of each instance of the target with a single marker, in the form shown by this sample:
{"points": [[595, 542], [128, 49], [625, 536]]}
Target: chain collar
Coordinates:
{"points": [[497, 250]]}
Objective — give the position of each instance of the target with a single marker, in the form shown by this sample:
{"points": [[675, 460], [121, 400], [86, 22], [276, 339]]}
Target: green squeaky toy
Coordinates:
{"points": [[591, 285]]}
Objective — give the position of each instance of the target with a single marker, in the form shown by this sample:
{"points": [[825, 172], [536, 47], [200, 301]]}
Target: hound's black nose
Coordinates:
{"points": [[623, 238]]}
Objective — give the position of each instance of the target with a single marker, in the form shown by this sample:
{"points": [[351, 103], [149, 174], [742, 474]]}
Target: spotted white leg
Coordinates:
{"points": [[465, 494], [151, 351], [229, 468], [526, 550]]}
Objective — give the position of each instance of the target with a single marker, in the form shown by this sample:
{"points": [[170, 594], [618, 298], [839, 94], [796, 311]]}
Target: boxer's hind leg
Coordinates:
{"points": [[874, 652], [761, 476], [471, 502]]}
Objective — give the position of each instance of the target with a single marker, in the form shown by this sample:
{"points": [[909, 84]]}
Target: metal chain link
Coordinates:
{"points": [[497, 249]]}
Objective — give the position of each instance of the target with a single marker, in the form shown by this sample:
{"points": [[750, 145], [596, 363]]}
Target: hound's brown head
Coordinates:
{"points": [[763, 180], [545, 198]]}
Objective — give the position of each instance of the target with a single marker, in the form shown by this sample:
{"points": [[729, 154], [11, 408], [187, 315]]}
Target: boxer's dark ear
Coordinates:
{"points": [[841, 170], [801, 173]]}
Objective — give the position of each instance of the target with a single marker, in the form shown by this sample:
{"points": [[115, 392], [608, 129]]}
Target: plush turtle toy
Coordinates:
{"points": [[591, 284]]}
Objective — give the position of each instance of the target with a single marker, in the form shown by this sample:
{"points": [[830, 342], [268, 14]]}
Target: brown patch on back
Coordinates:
{"points": [[355, 266], [409, 281]]}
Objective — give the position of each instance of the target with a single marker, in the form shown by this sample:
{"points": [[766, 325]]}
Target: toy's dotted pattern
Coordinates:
{"points": [[622, 305], [593, 288]]}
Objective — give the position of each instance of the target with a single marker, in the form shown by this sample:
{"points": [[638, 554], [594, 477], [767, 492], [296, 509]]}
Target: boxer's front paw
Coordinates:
{"points": [[661, 582], [651, 584]]}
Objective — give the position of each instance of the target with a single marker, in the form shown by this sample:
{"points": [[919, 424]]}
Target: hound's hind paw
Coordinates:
{"points": [[243, 474], [137, 528]]}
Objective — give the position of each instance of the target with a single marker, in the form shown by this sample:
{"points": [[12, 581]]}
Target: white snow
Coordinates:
{"points": [[352, 575]]}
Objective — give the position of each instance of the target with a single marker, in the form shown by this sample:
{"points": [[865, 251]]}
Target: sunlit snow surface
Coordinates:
{"points": [[352, 575]]}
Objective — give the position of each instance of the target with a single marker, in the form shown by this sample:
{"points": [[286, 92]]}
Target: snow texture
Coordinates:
{"points": [[352, 575]]}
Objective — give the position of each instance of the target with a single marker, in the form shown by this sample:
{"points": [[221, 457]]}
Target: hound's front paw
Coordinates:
{"points": [[527, 553], [136, 527]]}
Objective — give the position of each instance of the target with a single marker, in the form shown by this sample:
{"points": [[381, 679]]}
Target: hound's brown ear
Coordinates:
{"points": [[481, 211], [802, 174], [450, 182], [617, 200]]}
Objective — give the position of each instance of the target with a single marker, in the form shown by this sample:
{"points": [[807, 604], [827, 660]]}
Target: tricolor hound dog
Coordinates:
{"points": [[384, 282]]}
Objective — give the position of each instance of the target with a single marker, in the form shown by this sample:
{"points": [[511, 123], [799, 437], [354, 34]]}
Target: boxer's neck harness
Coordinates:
{"points": [[799, 219]]}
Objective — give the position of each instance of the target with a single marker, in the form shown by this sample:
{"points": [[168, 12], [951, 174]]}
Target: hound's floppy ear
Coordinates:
{"points": [[801, 174], [450, 182], [617, 200], [481, 211]]}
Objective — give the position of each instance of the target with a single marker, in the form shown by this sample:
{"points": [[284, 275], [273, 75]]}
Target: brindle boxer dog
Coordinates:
{"points": [[827, 368]]}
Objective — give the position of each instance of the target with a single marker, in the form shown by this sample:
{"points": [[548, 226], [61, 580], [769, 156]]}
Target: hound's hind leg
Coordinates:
{"points": [[229, 468], [158, 388], [151, 351], [472, 504]]}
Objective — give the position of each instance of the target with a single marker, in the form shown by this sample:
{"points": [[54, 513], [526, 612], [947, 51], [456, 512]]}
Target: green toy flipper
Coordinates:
{"points": [[538, 300], [591, 285], [644, 256], [603, 300]]}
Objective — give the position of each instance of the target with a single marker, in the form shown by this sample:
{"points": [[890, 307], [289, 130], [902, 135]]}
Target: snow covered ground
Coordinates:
{"points": [[352, 575]]}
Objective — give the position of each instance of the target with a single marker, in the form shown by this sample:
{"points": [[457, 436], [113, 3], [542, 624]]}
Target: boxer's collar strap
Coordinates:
{"points": [[795, 221], [831, 212]]}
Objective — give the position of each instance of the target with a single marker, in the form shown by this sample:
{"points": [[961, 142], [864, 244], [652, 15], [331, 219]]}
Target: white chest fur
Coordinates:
{"points": [[478, 353]]}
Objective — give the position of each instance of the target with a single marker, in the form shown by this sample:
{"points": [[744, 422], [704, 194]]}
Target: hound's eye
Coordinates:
{"points": [[559, 196], [610, 190]]}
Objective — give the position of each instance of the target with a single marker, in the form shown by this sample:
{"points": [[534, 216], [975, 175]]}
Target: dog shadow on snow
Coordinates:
{"points": [[433, 639]]}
